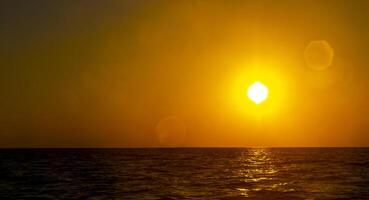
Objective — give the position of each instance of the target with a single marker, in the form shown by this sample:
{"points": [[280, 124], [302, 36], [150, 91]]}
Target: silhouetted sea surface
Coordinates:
{"points": [[188, 173]]}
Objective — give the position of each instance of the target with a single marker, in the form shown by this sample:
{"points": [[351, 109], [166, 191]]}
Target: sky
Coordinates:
{"points": [[142, 73]]}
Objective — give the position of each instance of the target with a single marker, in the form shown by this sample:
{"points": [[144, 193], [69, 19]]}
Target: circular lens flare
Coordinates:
{"points": [[257, 92]]}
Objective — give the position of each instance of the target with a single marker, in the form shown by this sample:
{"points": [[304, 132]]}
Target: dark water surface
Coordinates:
{"points": [[285, 173]]}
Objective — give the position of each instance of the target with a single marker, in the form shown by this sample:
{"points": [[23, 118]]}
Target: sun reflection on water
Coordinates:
{"points": [[258, 173]]}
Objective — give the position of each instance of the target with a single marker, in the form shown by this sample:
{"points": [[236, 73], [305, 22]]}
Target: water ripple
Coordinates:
{"points": [[302, 173]]}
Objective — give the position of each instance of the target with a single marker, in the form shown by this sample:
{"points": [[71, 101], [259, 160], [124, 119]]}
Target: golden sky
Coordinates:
{"points": [[175, 73]]}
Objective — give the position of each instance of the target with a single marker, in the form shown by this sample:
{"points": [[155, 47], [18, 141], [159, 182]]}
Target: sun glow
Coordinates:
{"points": [[257, 92]]}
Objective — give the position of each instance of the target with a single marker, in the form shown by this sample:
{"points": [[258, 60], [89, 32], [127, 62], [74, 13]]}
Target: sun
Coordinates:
{"points": [[257, 92]]}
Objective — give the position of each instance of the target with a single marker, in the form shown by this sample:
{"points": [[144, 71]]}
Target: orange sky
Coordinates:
{"points": [[175, 73]]}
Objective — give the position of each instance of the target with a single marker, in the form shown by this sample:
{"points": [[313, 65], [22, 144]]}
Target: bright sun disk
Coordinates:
{"points": [[257, 92]]}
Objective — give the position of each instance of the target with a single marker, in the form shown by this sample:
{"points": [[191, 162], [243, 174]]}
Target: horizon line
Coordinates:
{"points": [[187, 147]]}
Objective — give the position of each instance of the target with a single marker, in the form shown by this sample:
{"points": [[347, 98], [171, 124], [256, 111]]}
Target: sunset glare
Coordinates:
{"points": [[257, 92], [220, 73]]}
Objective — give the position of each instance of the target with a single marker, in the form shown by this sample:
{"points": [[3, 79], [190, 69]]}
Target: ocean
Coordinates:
{"points": [[185, 173]]}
